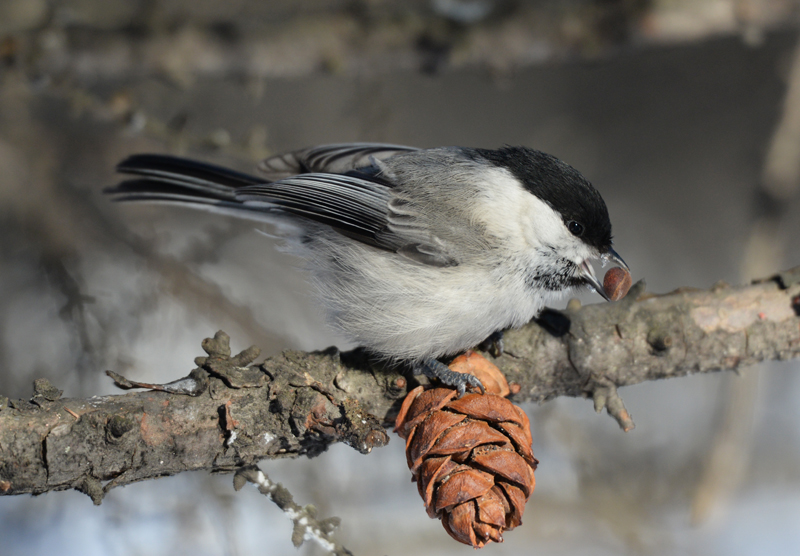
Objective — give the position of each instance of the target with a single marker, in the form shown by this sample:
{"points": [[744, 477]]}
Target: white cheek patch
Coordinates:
{"points": [[524, 222], [508, 211]]}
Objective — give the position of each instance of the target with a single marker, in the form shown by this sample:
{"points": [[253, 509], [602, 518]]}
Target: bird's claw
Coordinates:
{"points": [[471, 381], [438, 370]]}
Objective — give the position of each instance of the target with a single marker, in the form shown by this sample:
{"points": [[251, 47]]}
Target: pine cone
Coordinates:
{"points": [[471, 458]]}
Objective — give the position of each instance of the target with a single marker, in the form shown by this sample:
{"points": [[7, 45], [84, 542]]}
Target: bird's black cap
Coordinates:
{"points": [[559, 185]]}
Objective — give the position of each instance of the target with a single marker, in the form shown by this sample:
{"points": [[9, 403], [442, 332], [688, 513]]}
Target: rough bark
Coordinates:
{"points": [[226, 415]]}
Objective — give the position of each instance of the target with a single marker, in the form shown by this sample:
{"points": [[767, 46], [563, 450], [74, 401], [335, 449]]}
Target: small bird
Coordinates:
{"points": [[415, 254]]}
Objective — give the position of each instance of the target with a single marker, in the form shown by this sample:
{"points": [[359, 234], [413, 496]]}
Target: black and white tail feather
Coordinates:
{"points": [[321, 184]]}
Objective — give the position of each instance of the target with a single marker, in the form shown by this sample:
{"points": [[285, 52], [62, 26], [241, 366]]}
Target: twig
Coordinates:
{"points": [[306, 525]]}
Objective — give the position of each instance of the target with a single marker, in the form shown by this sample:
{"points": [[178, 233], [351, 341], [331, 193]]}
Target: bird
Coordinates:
{"points": [[416, 254]]}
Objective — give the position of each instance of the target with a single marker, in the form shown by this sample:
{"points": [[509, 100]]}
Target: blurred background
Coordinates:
{"points": [[684, 114]]}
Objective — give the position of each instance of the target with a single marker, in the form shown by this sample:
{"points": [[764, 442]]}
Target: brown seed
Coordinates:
{"points": [[616, 283]]}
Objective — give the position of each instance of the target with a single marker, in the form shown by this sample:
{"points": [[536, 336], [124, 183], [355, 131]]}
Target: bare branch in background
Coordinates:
{"points": [[356, 38]]}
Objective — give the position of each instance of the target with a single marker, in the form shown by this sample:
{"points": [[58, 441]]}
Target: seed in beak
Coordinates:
{"points": [[616, 283]]}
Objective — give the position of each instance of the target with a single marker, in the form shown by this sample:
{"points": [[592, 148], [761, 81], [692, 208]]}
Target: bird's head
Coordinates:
{"points": [[556, 213]]}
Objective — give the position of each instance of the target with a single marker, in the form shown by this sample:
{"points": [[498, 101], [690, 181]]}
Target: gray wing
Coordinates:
{"points": [[358, 205], [338, 158], [355, 206], [352, 205]]}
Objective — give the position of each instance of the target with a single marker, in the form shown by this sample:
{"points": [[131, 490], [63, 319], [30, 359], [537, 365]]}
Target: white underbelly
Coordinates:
{"points": [[403, 310]]}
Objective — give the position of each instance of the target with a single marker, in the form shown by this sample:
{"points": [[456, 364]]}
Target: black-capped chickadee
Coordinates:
{"points": [[415, 254]]}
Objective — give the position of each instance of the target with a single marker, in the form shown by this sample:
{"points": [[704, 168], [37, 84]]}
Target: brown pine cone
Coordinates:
{"points": [[471, 458]]}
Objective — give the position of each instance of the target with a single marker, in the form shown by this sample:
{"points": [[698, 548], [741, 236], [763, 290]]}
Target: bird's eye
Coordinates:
{"points": [[575, 228]]}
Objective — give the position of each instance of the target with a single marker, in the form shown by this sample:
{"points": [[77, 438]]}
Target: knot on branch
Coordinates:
{"points": [[234, 371], [323, 410], [44, 392], [604, 394]]}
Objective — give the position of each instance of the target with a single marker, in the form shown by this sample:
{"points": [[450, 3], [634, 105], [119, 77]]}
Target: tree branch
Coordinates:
{"points": [[226, 415]]}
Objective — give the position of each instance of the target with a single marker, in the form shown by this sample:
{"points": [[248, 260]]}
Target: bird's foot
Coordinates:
{"points": [[493, 344], [438, 370]]}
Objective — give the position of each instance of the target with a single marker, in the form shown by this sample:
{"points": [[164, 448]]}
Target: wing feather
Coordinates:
{"points": [[349, 204], [337, 158], [360, 204]]}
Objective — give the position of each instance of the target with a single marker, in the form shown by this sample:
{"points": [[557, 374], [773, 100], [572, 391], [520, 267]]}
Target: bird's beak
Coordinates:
{"points": [[587, 272], [614, 257]]}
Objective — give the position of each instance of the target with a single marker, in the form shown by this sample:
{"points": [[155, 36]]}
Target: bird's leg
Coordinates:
{"points": [[436, 369], [493, 344]]}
